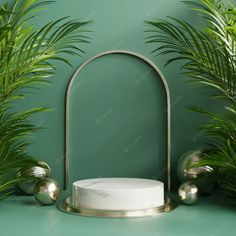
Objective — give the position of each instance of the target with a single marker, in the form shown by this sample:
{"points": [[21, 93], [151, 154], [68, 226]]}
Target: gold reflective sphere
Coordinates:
{"points": [[186, 172], [188, 193], [47, 191], [34, 172]]}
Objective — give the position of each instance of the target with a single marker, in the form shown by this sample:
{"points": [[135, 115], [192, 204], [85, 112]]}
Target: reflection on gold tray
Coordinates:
{"points": [[67, 207]]}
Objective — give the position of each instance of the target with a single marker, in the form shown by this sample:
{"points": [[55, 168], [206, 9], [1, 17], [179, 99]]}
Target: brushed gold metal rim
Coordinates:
{"points": [[81, 211], [168, 110]]}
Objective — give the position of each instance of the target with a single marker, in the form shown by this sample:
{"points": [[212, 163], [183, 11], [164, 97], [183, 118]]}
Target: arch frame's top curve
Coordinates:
{"points": [[168, 122]]}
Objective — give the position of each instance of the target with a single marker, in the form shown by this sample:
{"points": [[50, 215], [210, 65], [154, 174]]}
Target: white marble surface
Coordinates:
{"points": [[118, 193]]}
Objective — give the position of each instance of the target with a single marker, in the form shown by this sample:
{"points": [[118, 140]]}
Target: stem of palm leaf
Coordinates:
{"points": [[26, 61], [209, 60]]}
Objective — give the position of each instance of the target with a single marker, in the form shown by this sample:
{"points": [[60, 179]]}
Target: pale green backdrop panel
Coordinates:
{"points": [[117, 120]]}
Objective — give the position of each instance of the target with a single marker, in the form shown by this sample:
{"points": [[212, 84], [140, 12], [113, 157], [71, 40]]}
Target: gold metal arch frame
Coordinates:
{"points": [[65, 205]]}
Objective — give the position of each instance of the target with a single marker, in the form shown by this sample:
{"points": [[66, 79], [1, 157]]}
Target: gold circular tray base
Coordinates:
{"points": [[67, 207]]}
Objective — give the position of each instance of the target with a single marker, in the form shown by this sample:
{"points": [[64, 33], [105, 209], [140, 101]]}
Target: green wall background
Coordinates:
{"points": [[117, 24], [117, 120]]}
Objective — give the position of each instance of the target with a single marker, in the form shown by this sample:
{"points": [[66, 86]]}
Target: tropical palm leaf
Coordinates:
{"points": [[209, 53], [26, 61], [209, 59], [26, 56], [220, 127]]}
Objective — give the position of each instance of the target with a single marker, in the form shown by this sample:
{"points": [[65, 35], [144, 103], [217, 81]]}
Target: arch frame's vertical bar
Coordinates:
{"points": [[168, 112]]}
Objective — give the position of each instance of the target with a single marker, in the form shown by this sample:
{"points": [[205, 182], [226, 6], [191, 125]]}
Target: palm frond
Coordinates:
{"points": [[26, 61], [209, 53], [25, 58], [220, 127], [209, 58]]}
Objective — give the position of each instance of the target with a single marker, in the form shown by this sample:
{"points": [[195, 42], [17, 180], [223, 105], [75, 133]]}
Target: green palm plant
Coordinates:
{"points": [[26, 62], [208, 57]]}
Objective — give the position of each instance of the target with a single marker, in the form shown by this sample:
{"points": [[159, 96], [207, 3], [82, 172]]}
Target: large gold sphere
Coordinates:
{"points": [[185, 169], [47, 191], [35, 173], [188, 193]]}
